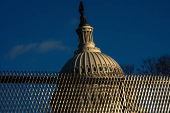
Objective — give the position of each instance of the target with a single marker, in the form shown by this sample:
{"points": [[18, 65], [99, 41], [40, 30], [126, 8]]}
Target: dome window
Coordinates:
{"points": [[88, 69], [105, 68], [110, 69], [83, 71], [94, 68], [100, 68]]}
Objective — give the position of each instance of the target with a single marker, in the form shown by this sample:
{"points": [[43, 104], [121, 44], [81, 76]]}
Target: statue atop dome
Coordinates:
{"points": [[83, 21], [81, 8]]}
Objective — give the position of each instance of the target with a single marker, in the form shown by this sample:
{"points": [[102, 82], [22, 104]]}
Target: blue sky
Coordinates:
{"points": [[39, 35]]}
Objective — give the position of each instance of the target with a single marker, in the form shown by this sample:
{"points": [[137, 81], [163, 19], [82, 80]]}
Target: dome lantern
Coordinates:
{"points": [[85, 34]]}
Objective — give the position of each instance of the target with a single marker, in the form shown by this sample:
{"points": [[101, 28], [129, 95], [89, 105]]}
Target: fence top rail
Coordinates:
{"points": [[54, 77]]}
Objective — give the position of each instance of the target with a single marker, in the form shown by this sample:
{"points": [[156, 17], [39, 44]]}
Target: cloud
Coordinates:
{"points": [[74, 21], [51, 45], [41, 47]]}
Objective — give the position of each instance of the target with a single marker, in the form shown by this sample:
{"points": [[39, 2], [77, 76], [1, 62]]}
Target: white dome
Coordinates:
{"points": [[88, 59], [91, 63]]}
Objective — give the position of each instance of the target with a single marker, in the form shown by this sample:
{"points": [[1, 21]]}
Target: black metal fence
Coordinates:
{"points": [[26, 91], [34, 92]]}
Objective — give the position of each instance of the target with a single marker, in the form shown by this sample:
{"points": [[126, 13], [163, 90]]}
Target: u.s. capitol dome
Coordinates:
{"points": [[88, 59]]}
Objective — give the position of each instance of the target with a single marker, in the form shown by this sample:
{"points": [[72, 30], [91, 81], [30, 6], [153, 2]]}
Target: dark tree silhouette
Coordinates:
{"points": [[157, 66], [163, 65], [128, 68]]}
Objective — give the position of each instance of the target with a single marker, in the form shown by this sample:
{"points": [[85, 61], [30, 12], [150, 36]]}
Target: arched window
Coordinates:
{"points": [[100, 68], [94, 68]]}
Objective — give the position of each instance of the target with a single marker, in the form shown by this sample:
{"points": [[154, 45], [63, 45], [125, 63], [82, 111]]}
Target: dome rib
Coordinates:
{"points": [[102, 59], [80, 67], [90, 62], [95, 63], [85, 61], [96, 66], [99, 70], [108, 60], [75, 66], [98, 58]]}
